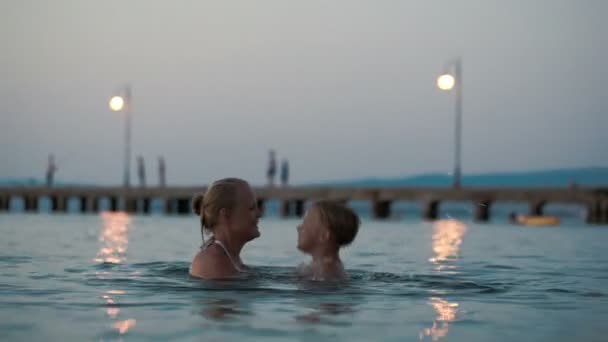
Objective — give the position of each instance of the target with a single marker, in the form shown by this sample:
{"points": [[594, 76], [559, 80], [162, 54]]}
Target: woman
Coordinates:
{"points": [[229, 211]]}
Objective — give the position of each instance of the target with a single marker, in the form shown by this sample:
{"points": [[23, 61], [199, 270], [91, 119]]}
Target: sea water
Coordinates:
{"points": [[115, 277]]}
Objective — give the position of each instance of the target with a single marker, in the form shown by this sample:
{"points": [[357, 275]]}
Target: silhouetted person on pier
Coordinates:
{"points": [[141, 171], [161, 171], [50, 170], [272, 168], [284, 172]]}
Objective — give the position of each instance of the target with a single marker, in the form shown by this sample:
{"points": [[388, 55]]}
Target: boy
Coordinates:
{"points": [[327, 227]]}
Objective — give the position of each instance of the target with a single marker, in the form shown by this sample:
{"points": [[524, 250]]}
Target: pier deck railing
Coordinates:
{"points": [[176, 200]]}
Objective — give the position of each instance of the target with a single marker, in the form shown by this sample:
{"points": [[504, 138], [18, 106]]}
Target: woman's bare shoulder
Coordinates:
{"points": [[211, 263]]}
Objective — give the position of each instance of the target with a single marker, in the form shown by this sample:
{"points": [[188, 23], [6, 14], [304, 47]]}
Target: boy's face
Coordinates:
{"points": [[311, 231]]}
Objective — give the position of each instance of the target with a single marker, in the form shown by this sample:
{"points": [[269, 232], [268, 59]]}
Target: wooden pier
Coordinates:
{"points": [[176, 200]]}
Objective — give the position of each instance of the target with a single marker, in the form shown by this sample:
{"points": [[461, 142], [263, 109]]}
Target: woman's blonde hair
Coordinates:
{"points": [[221, 194], [342, 222]]}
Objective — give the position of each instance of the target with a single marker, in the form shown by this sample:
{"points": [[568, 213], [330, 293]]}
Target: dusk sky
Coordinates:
{"points": [[343, 89]]}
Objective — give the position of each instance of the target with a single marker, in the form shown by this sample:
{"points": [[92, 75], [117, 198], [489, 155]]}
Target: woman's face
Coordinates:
{"points": [[310, 231], [245, 215]]}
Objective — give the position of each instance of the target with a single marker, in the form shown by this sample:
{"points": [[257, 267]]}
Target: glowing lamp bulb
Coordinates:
{"points": [[117, 103], [445, 82]]}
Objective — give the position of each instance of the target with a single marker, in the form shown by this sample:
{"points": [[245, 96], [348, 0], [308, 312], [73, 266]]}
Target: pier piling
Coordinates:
{"points": [[113, 203], [168, 206], [183, 206], [299, 208], [261, 206], [537, 207], [4, 200], [482, 210], [285, 208], [145, 205], [431, 210], [381, 209]]}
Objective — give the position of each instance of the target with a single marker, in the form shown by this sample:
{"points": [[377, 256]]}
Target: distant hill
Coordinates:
{"points": [[20, 182], [594, 176], [33, 182]]}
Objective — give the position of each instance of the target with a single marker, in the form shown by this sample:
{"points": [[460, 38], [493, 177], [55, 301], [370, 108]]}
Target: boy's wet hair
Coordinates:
{"points": [[342, 222]]}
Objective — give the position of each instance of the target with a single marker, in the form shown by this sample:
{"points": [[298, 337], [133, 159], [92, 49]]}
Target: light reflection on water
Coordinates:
{"points": [[447, 238], [124, 326], [114, 239], [112, 311]]}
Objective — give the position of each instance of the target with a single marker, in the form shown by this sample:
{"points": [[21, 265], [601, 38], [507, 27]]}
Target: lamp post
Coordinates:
{"points": [[448, 81], [122, 102]]}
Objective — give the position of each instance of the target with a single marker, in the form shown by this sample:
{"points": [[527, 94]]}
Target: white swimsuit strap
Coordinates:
{"points": [[236, 266], [207, 243]]}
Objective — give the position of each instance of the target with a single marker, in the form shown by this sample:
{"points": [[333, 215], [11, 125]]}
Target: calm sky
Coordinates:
{"points": [[343, 89]]}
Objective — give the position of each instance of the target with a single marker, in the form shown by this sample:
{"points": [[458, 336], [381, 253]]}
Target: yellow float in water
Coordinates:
{"points": [[537, 220]]}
